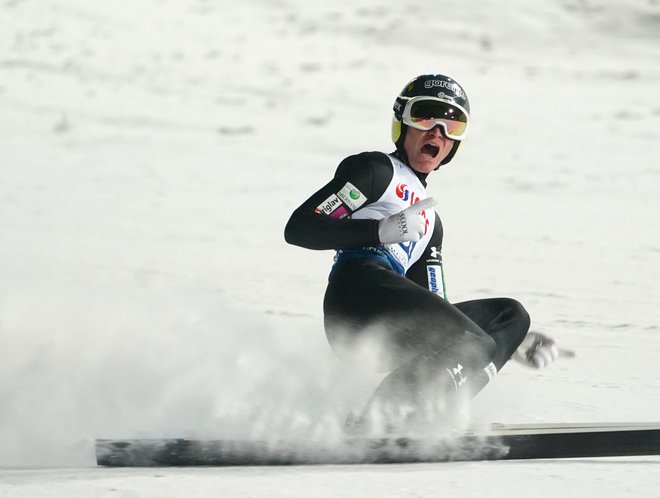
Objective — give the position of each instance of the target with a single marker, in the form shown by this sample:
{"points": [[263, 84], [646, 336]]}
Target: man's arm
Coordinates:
{"points": [[323, 221]]}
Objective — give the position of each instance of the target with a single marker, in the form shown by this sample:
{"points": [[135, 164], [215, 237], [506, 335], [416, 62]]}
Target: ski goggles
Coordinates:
{"points": [[425, 113]]}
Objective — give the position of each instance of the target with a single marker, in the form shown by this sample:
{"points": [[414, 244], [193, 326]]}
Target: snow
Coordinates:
{"points": [[152, 151]]}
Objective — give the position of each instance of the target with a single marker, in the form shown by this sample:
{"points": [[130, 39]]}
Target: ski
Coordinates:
{"points": [[502, 442], [572, 427]]}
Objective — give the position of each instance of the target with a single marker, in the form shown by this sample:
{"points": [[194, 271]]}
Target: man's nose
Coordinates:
{"points": [[436, 131]]}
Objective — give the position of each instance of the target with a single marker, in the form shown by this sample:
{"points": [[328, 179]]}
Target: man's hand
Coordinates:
{"points": [[536, 351], [407, 225]]}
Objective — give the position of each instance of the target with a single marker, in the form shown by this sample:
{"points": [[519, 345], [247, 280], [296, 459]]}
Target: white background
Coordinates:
{"points": [[151, 152]]}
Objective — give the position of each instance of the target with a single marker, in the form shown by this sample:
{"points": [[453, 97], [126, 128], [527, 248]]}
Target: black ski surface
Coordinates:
{"points": [[500, 443]]}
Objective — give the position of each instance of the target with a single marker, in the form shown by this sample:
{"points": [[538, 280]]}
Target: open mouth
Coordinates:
{"points": [[430, 150]]}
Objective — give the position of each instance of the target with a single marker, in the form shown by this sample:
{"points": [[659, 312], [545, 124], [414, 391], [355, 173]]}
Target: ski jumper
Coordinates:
{"points": [[385, 306]]}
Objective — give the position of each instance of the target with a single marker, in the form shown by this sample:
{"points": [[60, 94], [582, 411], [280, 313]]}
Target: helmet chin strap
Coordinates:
{"points": [[401, 150], [451, 154]]}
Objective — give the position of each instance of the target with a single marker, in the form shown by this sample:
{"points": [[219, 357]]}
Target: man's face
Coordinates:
{"points": [[426, 149]]}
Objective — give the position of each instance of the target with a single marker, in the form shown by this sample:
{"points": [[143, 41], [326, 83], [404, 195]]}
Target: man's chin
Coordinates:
{"points": [[424, 166]]}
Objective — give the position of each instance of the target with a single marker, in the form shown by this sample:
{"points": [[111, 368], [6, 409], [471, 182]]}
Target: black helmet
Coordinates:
{"points": [[441, 89]]}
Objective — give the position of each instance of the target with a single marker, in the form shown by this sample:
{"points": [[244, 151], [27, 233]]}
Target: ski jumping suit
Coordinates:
{"points": [[391, 298]]}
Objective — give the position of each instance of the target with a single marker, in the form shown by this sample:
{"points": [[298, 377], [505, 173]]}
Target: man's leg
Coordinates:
{"points": [[503, 319]]}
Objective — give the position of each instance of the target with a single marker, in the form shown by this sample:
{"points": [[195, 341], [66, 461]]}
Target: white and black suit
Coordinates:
{"points": [[394, 294]]}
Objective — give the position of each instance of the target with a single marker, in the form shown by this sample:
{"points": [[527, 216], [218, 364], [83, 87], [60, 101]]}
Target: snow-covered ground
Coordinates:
{"points": [[151, 152]]}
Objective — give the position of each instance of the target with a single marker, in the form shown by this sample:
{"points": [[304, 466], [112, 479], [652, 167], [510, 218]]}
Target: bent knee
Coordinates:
{"points": [[514, 311], [518, 319]]}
